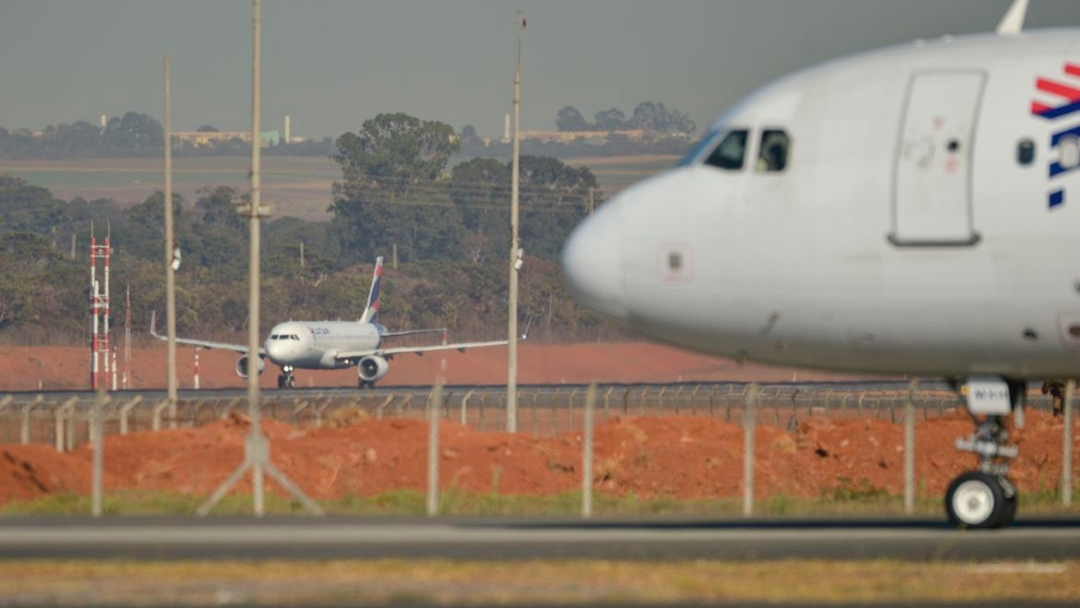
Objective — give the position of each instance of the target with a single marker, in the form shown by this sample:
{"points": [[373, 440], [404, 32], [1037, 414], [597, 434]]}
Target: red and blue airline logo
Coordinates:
{"points": [[1067, 94], [373, 299]]}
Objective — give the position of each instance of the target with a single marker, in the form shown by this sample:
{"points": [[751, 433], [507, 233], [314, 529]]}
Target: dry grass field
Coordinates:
{"points": [[295, 185]]}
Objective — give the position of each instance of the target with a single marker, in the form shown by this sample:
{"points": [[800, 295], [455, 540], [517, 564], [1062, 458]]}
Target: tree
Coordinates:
{"points": [[554, 197], [392, 193], [221, 232], [134, 132], [26, 208], [656, 117], [481, 189], [393, 151], [144, 231], [611, 120], [570, 119]]}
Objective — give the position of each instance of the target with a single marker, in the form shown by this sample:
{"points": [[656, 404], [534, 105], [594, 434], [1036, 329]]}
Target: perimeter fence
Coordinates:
{"points": [[63, 419]]}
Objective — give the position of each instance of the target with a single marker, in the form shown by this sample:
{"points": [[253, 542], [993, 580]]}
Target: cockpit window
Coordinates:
{"points": [[730, 153], [274, 337], [773, 154], [294, 337]]}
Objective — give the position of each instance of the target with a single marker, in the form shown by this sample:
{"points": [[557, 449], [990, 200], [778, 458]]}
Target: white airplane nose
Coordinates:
{"points": [[592, 262], [276, 349]]}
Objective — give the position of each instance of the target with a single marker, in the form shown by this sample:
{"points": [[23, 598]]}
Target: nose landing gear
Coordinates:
{"points": [[286, 379], [986, 498]]}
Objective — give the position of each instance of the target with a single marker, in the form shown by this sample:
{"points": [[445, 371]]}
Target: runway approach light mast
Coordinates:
{"points": [[100, 363]]}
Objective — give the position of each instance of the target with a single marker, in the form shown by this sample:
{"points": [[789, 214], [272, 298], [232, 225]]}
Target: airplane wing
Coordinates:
{"points": [[418, 350], [239, 348], [412, 332]]}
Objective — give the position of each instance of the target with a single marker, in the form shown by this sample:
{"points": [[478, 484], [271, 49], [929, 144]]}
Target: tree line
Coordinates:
{"points": [[448, 226], [140, 135], [132, 135], [647, 115]]}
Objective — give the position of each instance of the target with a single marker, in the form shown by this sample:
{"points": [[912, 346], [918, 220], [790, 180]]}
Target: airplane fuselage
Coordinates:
{"points": [[924, 220], [315, 344]]}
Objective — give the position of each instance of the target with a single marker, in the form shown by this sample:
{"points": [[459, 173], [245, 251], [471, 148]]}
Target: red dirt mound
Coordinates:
{"points": [[670, 456], [33, 471]]}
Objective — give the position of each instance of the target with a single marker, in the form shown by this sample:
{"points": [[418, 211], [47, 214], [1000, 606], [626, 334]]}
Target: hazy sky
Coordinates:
{"points": [[332, 64]]}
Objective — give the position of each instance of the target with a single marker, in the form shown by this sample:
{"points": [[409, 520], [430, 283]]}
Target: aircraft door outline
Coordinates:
{"points": [[932, 171]]}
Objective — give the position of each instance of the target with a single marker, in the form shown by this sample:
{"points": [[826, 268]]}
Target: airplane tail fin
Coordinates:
{"points": [[371, 312]]}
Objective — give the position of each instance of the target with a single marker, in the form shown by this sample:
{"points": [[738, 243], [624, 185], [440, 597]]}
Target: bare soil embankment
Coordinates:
{"points": [[675, 457]]}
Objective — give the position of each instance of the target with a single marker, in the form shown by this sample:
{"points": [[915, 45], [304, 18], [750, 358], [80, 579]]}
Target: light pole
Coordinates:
{"points": [[170, 261], [515, 243], [256, 446]]}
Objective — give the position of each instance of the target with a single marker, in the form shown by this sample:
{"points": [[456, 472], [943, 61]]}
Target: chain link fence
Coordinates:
{"points": [[63, 420]]}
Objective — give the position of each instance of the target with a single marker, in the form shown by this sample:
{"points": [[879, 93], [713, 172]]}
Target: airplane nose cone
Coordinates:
{"points": [[275, 349], [592, 262]]}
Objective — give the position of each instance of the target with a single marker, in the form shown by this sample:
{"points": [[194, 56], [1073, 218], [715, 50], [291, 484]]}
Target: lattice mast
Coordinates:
{"points": [[101, 362]]}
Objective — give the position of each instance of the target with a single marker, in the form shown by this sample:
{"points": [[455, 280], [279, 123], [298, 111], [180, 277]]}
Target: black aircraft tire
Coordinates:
{"points": [[1010, 510], [976, 500]]}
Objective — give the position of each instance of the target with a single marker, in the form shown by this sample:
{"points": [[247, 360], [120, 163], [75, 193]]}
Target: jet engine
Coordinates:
{"points": [[242, 366], [373, 368]]}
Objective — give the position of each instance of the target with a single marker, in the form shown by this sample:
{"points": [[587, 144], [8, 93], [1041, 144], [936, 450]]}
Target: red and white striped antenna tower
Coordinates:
{"points": [[100, 366]]}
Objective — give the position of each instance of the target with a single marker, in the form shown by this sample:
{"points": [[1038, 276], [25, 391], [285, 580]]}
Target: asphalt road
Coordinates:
{"points": [[494, 539]]}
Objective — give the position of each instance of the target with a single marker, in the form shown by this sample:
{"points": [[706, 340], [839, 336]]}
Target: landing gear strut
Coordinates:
{"points": [[365, 383], [286, 379], [986, 498]]}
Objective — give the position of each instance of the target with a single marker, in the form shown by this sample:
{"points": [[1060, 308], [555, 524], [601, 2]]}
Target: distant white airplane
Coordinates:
{"points": [[331, 344], [912, 210]]}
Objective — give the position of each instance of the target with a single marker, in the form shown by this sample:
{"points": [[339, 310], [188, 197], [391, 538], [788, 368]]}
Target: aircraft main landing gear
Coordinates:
{"points": [[286, 379], [986, 498]]}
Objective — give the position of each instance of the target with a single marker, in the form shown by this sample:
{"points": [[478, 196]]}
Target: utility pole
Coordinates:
{"points": [[256, 446], [170, 262], [254, 217], [127, 340], [515, 243]]}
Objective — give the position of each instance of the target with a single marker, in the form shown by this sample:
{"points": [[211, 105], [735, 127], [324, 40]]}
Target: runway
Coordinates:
{"points": [[497, 539]]}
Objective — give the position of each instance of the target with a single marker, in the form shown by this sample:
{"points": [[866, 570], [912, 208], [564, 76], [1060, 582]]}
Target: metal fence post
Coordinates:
{"points": [[434, 405], [749, 404], [125, 410], [535, 414], [554, 425], [24, 432], [465, 407], [570, 410], [58, 432], [587, 453], [155, 420], [1066, 451], [6, 401], [909, 449], [98, 432], [62, 411]]}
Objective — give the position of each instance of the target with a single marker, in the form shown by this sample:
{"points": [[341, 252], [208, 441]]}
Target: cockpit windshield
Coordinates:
{"points": [[726, 149], [706, 141]]}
